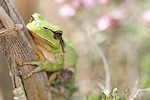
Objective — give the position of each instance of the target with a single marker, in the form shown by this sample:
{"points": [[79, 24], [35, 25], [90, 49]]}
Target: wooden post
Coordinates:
{"points": [[17, 46]]}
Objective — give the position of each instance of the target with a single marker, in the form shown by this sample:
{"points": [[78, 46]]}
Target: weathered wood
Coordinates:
{"points": [[5, 80], [17, 47]]}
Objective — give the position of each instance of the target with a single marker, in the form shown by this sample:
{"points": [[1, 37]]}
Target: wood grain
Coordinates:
{"points": [[17, 47]]}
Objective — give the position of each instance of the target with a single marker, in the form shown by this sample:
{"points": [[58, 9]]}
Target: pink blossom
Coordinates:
{"points": [[88, 3], [106, 22], [146, 17], [117, 14], [104, 2], [103, 23], [76, 3], [67, 11]]}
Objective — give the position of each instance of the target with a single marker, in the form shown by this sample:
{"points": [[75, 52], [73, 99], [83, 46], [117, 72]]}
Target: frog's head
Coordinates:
{"points": [[57, 34], [46, 32], [37, 17]]}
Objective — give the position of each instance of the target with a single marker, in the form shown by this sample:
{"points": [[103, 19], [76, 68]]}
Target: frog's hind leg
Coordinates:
{"points": [[51, 79]]}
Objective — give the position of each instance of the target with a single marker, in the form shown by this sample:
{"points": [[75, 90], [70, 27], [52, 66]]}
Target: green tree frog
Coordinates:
{"points": [[54, 50]]}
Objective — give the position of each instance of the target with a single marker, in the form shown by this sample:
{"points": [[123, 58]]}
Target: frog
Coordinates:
{"points": [[54, 50]]}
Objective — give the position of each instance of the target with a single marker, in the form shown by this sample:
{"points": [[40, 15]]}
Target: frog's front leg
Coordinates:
{"points": [[39, 67], [44, 65]]}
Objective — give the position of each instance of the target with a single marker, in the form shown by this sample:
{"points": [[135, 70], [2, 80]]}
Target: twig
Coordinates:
{"points": [[140, 90], [105, 88], [134, 89], [101, 86], [106, 68]]}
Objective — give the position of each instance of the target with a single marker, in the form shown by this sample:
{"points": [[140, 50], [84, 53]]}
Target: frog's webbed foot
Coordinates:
{"points": [[51, 79], [25, 76], [20, 64], [28, 74]]}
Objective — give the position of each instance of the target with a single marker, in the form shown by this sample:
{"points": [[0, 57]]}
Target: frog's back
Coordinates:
{"points": [[70, 54]]}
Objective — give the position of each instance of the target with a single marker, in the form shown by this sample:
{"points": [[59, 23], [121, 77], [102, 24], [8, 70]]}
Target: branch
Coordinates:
{"points": [[136, 91], [106, 87]]}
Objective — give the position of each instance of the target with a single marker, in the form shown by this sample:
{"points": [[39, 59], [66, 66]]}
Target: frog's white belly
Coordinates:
{"points": [[47, 55]]}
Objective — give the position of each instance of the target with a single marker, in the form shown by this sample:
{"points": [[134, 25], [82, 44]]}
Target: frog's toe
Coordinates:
{"points": [[19, 73], [47, 85], [25, 77], [20, 64]]}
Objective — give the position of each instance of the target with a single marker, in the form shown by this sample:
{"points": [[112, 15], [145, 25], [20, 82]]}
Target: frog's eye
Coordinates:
{"points": [[31, 19], [57, 35]]}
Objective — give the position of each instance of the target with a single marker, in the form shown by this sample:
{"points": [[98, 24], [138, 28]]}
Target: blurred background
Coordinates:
{"points": [[111, 38]]}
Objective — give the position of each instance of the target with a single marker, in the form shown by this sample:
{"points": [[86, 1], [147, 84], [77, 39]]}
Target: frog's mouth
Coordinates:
{"points": [[31, 19], [41, 39], [38, 38]]}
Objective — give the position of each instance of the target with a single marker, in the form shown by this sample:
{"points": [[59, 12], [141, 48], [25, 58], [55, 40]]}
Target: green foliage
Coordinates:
{"points": [[70, 85], [145, 63], [113, 96], [145, 66], [103, 96], [94, 96], [145, 82], [65, 82]]}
